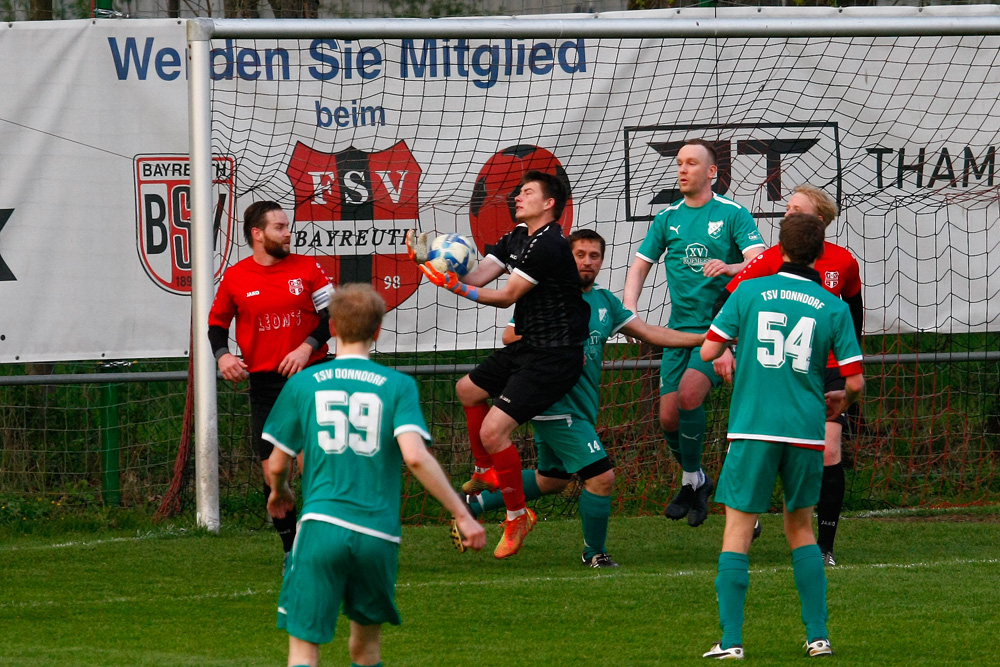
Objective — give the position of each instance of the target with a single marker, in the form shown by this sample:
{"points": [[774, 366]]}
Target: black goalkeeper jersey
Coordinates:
{"points": [[553, 313]]}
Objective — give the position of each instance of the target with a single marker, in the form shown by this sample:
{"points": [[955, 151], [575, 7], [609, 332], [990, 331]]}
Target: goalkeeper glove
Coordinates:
{"points": [[450, 282], [416, 246]]}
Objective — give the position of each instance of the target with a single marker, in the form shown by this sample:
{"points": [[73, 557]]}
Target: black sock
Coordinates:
{"points": [[285, 525], [831, 501]]}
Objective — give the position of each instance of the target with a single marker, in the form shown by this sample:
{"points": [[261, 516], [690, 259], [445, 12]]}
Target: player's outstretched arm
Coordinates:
{"points": [[281, 499], [634, 280], [428, 471], [484, 273], [661, 336]]}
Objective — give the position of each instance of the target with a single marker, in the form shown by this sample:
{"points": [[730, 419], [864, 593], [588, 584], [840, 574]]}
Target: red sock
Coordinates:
{"points": [[474, 416], [507, 464]]}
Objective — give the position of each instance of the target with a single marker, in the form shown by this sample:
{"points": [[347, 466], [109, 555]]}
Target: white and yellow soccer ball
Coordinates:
{"points": [[452, 252]]}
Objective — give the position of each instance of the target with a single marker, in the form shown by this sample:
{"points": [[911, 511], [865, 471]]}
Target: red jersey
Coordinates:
{"points": [[275, 308], [836, 266]]}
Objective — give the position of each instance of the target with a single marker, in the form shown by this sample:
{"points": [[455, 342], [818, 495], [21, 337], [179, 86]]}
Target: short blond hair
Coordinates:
{"points": [[826, 206], [356, 312]]}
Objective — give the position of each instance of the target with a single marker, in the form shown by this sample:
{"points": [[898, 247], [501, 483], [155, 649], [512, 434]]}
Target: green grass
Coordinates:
{"points": [[913, 589]]}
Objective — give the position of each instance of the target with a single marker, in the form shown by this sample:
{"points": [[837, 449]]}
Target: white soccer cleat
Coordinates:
{"points": [[719, 653], [818, 648]]}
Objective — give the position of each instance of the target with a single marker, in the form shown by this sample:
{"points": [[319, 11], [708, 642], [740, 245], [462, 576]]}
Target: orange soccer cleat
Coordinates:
{"points": [[481, 481], [514, 532]]}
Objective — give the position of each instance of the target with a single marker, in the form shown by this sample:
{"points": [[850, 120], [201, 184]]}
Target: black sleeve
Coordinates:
{"points": [[218, 338], [321, 333], [857, 307], [720, 301], [500, 250]]}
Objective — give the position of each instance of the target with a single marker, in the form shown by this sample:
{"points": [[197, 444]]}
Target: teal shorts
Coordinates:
{"points": [[676, 360], [331, 567], [751, 467], [567, 444]]}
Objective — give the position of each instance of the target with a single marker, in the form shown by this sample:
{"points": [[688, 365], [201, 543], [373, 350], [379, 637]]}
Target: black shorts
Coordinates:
{"points": [[836, 382], [524, 380], [264, 390]]}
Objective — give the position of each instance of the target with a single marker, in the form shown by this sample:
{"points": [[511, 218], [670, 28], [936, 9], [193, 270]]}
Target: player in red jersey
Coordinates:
{"points": [[842, 277], [275, 297]]}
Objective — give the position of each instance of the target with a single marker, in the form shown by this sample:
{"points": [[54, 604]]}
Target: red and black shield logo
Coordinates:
{"points": [[831, 279], [163, 217], [352, 210]]}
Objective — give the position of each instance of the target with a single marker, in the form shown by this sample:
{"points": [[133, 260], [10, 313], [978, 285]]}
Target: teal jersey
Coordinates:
{"points": [[607, 317], [345, 416], [787, 325], [690, 237]]}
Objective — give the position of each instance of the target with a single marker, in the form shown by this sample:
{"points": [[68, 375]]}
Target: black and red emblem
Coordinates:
{"points": [[352, 212], [163, 217]]}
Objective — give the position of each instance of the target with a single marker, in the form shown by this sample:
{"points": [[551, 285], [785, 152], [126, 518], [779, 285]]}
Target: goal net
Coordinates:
{"points": [[361, 139]]}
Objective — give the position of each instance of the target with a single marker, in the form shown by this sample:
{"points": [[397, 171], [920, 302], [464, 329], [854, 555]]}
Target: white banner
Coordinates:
{"points": [[361, 140]]}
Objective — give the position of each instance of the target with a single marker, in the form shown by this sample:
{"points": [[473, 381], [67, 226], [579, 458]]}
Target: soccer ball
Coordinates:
{"points": [[491, 207], [452, 252]]}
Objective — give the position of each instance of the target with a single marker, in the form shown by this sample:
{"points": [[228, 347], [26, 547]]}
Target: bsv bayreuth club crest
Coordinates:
{"points": [[163, 217], [352, 210]]}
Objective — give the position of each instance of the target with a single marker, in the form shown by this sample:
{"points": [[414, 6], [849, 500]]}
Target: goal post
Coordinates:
{"points": [[753, 144]]}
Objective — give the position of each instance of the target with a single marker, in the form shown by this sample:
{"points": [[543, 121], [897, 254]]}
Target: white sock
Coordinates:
{"points": [[516, 513], [694, 479]]}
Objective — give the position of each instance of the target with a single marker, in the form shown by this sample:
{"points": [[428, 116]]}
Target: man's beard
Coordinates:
{"points": [[588, 282], [275, 249]]}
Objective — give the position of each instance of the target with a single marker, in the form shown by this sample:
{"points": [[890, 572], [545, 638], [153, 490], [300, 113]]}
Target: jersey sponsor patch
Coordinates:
{"points": [[695, 257]]}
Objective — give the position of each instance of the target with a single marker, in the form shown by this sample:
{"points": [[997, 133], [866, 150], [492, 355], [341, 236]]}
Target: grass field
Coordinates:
{"points": [[911, 590]]}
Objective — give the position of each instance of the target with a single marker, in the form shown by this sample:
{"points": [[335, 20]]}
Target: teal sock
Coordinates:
{"points": [[731, 588], [494, 499], [354, 664], [594, 513], [692, 437], [673, 442], [810, 580]]}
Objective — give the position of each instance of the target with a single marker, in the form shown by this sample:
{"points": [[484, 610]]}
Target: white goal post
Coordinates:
{"points": [[690, 24]]}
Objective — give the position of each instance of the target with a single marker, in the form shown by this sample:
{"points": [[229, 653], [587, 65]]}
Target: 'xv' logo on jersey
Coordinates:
{"points": [[695, 257], [352, 212]]}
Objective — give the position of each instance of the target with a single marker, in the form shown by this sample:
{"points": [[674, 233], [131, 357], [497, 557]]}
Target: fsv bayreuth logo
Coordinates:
{"points": [[352, 211]]}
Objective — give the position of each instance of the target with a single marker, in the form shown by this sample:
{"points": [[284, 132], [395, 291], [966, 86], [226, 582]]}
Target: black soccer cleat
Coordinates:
{"points": [[681, 504], [699, 507], [756, 531], [599, 560]]}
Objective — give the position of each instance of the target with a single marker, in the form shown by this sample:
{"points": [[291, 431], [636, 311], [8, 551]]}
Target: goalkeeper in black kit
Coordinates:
{"points": [[527, 377]]}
